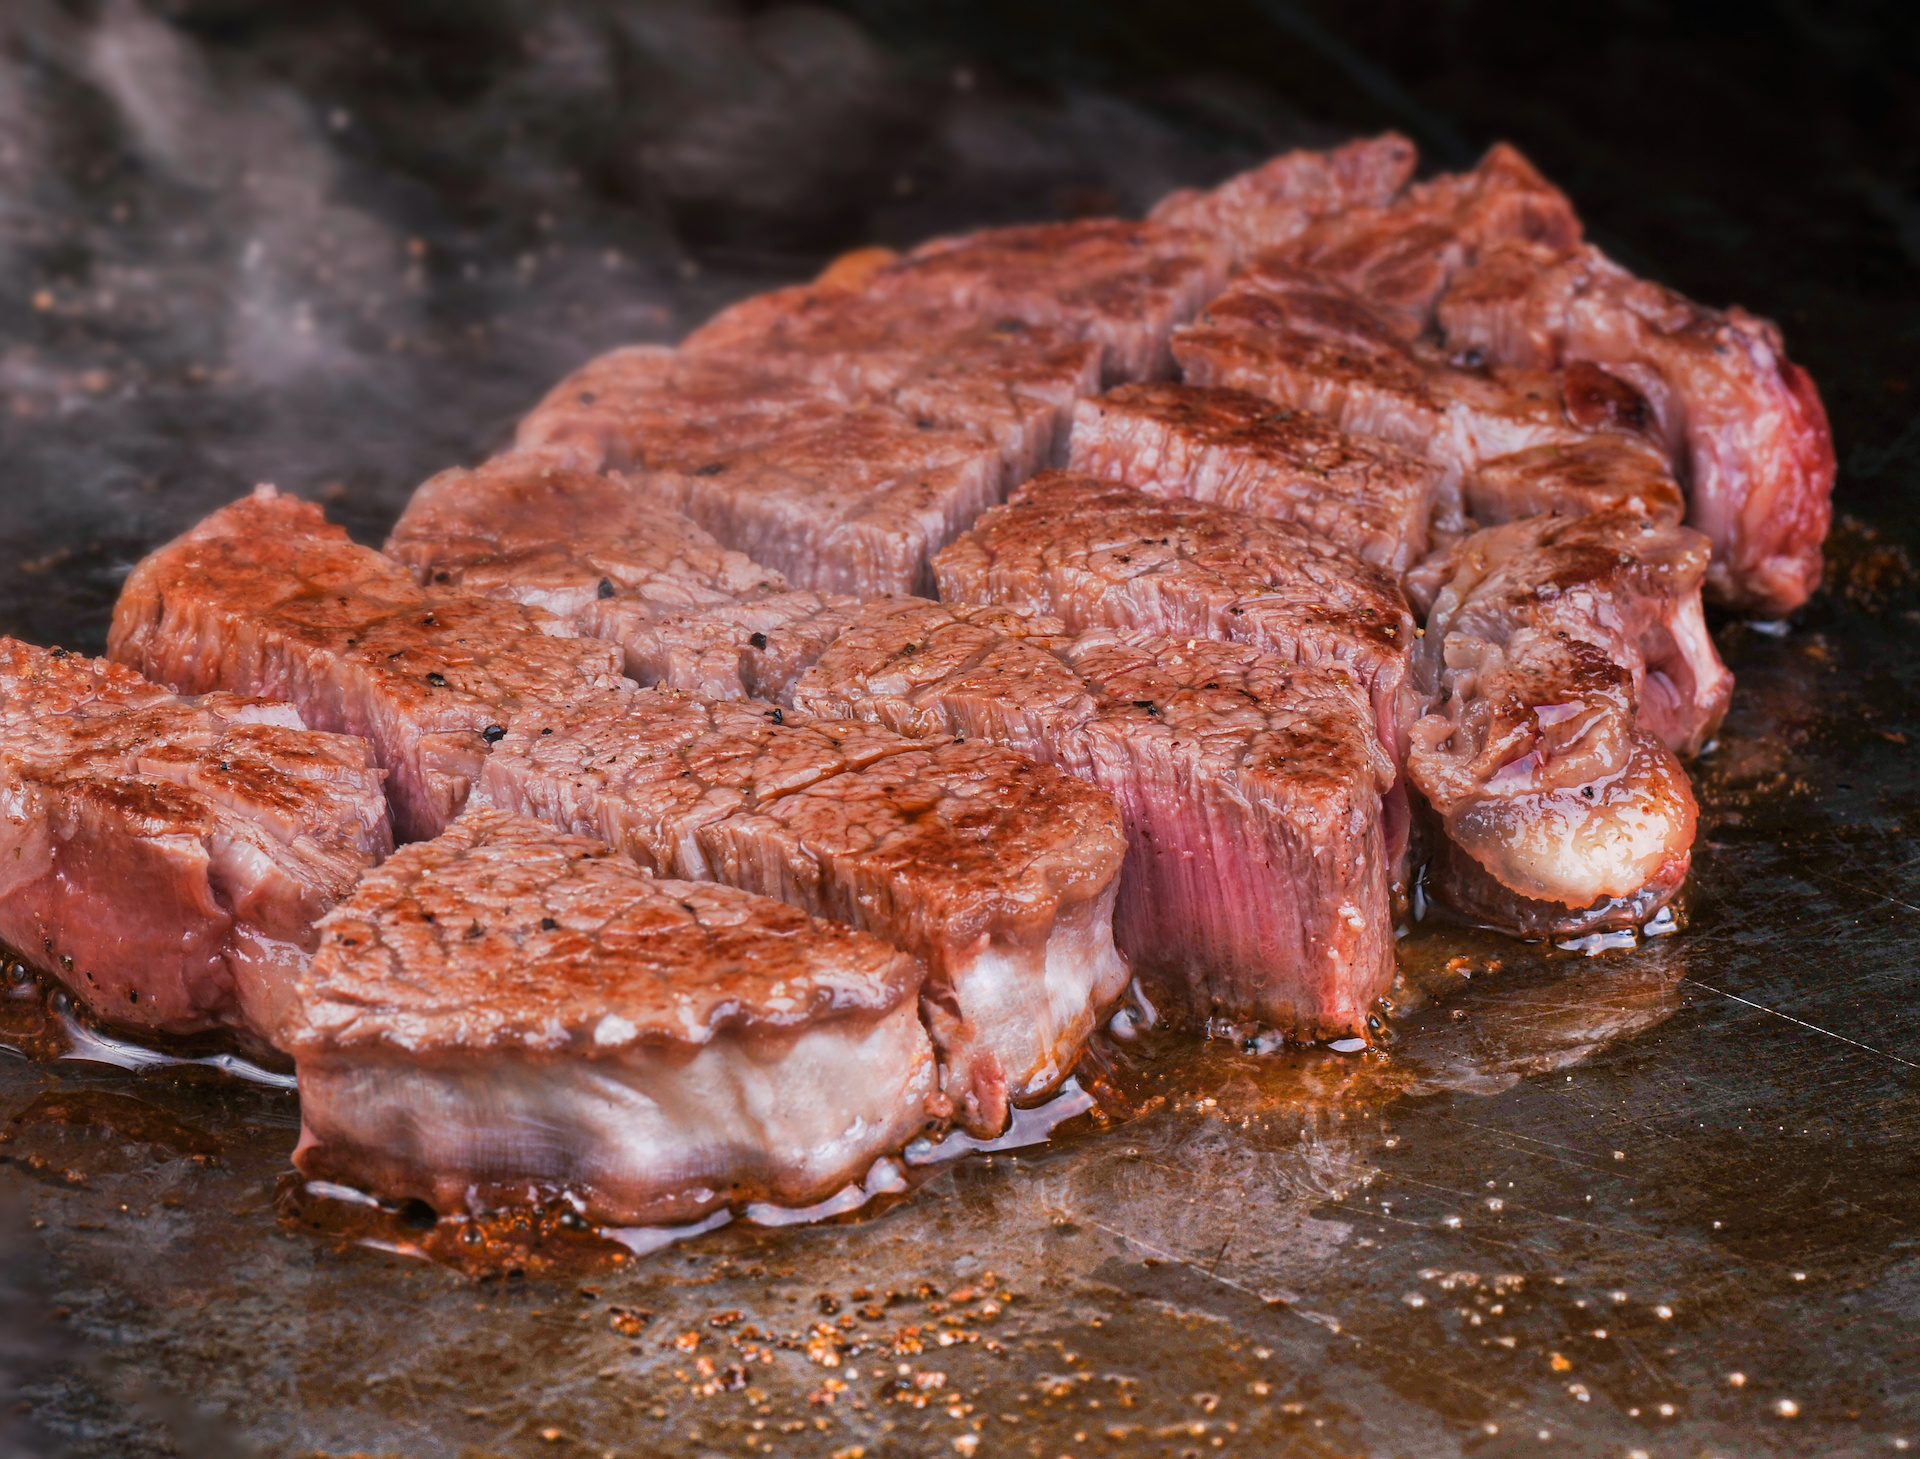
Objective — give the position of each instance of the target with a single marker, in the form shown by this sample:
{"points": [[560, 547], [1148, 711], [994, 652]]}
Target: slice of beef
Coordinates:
{"points": [[1123, 285], [166, 857], [508, 1015], [1304, 341], [265, 597], [755, 649], [1255, 884], [1009, 381], [838, 497], [998, 873], [1744, 425], [1242, 451], [1400, 256], [1274, 203], [1569, 659], [519, 527]]}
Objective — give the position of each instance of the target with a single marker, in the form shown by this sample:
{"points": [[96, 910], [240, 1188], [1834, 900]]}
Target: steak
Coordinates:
{"points": [[839, 498], [1401, 256], [1011, 382], [166, 857], [1511, 442], [1569, 660], [757, 648], [1272, 204], [265, 597], [999, 874], [1255, 883], [1242, 451], [1122, 285], [1744, 425], [507, 1014], [521, 528]]}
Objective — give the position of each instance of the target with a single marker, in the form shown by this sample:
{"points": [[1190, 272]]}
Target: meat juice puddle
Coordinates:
{"points": [[1131, 1072]]}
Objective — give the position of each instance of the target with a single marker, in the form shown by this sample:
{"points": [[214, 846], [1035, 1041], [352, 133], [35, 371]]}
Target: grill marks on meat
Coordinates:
{"points": [[520, 528], [1510, 442], [1569, 660], [1000, 874], [1241, 451], [1745, 426], [1274, 203], [1255, 883], [1401, 256], [265, 597], [166, 857], [1122, 285], [506, 1013]]}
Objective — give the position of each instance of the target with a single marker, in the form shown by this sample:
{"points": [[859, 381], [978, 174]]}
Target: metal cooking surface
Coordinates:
{"points": [[1665, 1199]]}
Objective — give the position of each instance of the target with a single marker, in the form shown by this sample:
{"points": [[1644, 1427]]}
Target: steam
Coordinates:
{"points": [[336, 256]]}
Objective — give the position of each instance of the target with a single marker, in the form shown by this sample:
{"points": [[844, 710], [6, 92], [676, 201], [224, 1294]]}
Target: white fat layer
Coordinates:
{"points": [[645, 1134]]}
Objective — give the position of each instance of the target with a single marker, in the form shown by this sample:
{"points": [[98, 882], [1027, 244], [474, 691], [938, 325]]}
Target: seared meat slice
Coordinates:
{"points": [[1241, 451], [1303, 341], [519, 527], [1255, 884], [1098, 555], [265, 597], [1400, 256], [166, 857], [1011, 382], [837, 497], [1123, 285], [1569, 659], [1275, 202], [506, 1014], [754, 649], [998, 873], [1744, 424]]}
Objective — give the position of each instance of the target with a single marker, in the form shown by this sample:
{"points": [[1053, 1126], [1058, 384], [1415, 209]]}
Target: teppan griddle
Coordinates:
{"points": [[1659, 1199]]}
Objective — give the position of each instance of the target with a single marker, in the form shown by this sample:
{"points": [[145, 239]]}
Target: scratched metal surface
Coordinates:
{"points": [[1665, 1199]]}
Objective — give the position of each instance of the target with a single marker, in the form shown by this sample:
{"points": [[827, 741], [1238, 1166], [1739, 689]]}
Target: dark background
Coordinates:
{"points": [[343, 243]]}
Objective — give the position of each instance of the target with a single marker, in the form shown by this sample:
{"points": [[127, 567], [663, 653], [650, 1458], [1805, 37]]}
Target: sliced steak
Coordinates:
{"points": [[1744, 425], [265, 597], [1255, 884], [998, 873], [1303, 341], [840, 498], [1122, 285], [1009, 381], [518, 527], [1274, 203], [506, 1014], [1569, 659], [166, 857], [1400, 256], [755, 649], [1242, 451]]}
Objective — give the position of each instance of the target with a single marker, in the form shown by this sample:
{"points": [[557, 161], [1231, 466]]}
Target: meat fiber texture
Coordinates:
{"points": [[1401, 255], [1242, 451], [1511, 442], [1122, 285], [1569, 660], [1744, 425], [519, 527], [265, 597], [1255, 884], [998, 873], [842, 498], [506, 1014], [166, 857], [1275, 203]]}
